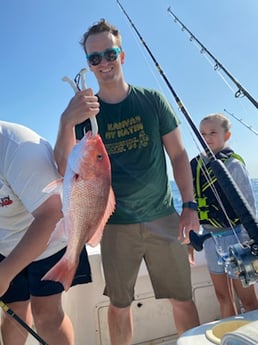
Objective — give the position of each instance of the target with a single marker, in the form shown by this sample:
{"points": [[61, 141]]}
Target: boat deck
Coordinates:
{"points": [[153, 319]]}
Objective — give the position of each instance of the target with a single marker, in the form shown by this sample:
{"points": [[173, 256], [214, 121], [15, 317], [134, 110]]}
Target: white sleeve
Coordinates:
{"points": [[30, 168], [241, 177]]}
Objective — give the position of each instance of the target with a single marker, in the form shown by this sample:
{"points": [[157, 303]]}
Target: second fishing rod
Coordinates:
{"points": [[218, 65], [234, 195]]}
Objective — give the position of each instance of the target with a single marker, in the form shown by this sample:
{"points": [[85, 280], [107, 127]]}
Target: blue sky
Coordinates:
{"points": [[39, 42]]}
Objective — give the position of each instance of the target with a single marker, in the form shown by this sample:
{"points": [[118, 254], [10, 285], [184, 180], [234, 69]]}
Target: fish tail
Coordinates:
{"points": [[63, 272]]}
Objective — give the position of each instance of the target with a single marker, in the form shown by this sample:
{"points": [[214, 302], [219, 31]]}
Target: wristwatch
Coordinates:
{"points": [[190, 204]]}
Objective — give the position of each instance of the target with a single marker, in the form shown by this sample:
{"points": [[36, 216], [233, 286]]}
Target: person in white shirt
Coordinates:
{"points": [[27, 218]]}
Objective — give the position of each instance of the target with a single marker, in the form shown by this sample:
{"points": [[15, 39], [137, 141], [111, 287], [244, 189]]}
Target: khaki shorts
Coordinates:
{"points": [[123, 247]]}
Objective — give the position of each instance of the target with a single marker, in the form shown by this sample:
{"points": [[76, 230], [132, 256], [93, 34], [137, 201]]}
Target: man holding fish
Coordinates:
{"points": [[136, 125], [27, 218]]}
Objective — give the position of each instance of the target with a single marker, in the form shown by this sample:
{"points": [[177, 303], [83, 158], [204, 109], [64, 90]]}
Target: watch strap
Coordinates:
{"points": [[190, 204]]}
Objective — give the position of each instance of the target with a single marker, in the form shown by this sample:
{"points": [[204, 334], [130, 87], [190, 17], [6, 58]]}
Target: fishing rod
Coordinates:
{"points": [[176, 97], [242, 122], [232, 192], [241, 90], [10, 312]]}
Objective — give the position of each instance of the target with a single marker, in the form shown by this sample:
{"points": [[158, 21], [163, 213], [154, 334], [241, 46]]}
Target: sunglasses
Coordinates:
{"points": [[110, 54]]}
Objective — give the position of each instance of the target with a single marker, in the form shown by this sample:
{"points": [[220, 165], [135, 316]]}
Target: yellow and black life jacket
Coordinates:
{"points": [[209, 208]]}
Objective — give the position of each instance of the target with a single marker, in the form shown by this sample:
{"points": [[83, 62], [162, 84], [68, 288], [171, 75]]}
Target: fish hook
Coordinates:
{"points": [[80, 77], [71, 83]]}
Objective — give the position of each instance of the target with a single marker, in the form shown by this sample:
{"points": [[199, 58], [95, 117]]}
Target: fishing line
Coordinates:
{"points": [[234, 195], [177, 99], [202, 51], [217, 69], [205, 172], [21, 322], [141, 49], [242, 122], [206, 175], [218, 65]]}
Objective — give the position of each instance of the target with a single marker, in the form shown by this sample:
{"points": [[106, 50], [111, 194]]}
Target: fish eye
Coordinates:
{"points": [[99, 157]]}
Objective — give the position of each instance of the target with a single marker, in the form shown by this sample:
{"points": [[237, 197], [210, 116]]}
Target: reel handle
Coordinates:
{"points": [[197, 240]]}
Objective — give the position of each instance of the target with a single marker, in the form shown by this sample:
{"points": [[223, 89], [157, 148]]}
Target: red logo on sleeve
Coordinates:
{"points": [[6, 201]]}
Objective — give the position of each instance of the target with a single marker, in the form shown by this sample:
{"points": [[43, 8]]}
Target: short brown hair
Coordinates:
{"points": [[101, 26]]}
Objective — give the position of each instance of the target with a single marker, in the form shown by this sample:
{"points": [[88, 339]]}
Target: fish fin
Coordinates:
{"points": [[61, 229], [111, 204], [54, 186], [96, 237], [58, 232], [62, 272]]}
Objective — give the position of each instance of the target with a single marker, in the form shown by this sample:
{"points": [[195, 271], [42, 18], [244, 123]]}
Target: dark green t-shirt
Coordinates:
{"points": [[132, 132]]}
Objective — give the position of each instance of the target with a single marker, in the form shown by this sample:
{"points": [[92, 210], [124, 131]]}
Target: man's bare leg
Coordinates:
{"points": [[185, 315], [120, 325]]}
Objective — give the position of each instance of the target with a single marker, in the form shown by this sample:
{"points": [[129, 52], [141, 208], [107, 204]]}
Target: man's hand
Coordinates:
{"points": [[82, 106], [188, 221]]}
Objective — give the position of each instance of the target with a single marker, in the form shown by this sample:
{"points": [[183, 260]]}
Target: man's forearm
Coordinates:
{"points": [[64, 144], [183, 178]]}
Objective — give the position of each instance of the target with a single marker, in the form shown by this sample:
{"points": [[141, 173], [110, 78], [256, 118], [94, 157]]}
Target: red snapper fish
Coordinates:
{"points": [[88, 202]]}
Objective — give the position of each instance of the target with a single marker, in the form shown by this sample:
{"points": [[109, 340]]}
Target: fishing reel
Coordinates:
{"points": [[241, 260]]}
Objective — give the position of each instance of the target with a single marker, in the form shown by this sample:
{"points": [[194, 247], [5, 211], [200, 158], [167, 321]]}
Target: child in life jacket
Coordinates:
{"points": [[220, 218]]}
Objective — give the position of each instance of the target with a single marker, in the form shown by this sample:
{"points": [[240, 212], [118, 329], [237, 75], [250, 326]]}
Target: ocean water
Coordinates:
{"points": [[178, 202]]}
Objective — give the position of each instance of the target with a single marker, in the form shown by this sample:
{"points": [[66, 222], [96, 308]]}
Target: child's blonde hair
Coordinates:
{"points": [[224, 121]]}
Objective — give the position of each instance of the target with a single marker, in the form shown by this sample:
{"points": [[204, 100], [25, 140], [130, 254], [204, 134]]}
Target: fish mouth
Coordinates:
{"points": [[90, 134]]}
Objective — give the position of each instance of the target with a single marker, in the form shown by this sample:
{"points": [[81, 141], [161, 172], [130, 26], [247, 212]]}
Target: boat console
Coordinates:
{"points": [[237, 330]]}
